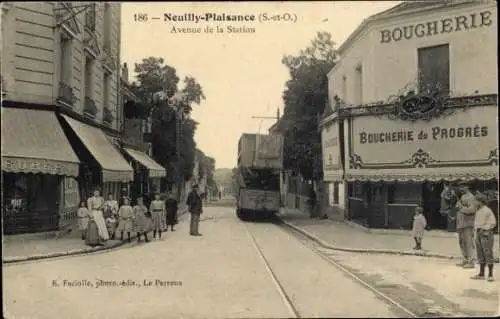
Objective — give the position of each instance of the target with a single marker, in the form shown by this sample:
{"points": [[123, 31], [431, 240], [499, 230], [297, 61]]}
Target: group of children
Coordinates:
{"points": [[128, 219]]}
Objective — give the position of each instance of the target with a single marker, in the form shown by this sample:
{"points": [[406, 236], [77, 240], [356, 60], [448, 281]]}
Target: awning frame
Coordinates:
{"points": [[154, 169]]}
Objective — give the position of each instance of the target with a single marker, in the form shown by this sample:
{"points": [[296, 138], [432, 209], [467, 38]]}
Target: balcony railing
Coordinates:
{"points": [[107, 116], [89, 108], [66, 95], [90, 18]]}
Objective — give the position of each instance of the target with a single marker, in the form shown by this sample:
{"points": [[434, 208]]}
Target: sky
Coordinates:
{"points": [[241, 73]]}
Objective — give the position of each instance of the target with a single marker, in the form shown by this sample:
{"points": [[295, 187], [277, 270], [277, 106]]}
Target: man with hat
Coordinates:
{"points": [[484, 223], [195, 207], [467, 207]]}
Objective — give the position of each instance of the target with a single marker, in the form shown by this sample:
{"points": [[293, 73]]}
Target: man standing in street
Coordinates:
{"points": [[467, 207], [194, 203]]}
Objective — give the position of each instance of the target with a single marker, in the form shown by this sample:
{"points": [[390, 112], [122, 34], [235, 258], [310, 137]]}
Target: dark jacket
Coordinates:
{"points": [[194, 203], [171, 206]]}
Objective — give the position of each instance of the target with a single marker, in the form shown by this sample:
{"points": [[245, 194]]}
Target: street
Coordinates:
{"points": [[239, 270]]}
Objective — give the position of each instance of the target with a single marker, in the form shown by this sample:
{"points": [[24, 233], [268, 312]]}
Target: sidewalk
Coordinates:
{"points": [[345, 237], [23, 248]]}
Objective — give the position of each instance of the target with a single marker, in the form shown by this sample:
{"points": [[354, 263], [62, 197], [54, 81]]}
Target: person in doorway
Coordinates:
{"points": [[195, 207], [157, 209], [142, 222], [125, 219], [467, 207], [95, 205], [419, 224], [171, 206], [484, 224], [83, 218]]}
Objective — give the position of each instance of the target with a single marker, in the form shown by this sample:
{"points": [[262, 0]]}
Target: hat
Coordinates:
{"points": [[481, 197]]}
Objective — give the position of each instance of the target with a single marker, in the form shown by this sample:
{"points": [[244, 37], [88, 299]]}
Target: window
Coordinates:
{"points": [[89, 64], [66, 62], [107, 26], [106, 89], [344, 88], [335, 193], [359, 85], [434, 69]]}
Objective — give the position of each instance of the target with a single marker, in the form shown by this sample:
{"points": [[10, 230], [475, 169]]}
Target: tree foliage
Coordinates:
{"points": [[305, 98], [153, 76]]}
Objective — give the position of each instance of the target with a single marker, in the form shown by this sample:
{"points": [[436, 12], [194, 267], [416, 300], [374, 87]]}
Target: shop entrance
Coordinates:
{"points": [[431, 202]]}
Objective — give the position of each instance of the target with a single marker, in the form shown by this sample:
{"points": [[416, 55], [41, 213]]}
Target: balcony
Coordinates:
{"points": [[107, 116], [66, 97], [89, 108]]}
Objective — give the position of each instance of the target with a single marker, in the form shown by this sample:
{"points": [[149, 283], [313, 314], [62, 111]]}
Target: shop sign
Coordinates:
{"points": [[445, 25], [331, 148], [71, 193], [469, 136]]}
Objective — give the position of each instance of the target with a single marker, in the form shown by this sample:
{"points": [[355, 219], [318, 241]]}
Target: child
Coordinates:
{"points": [[111, 225], [484, 224], [125, 215], [83, 218], [419, 224]]}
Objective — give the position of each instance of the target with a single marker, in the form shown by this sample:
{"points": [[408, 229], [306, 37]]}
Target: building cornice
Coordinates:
{"points": [[379, 109]]}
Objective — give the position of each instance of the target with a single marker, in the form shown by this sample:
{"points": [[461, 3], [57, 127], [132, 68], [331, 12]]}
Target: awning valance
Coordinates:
{"points": [[114, 167], [468, 173], [155, 169], [33, 142]]}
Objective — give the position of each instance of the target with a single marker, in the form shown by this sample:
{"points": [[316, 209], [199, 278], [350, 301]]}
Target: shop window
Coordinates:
{"points": [[30, 203], [434, 69]]}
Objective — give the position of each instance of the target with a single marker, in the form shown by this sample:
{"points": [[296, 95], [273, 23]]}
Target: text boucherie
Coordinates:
{"points": [[446, 25]]}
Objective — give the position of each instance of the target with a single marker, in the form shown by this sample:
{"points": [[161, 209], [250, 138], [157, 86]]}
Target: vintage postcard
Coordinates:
{"points": [[272, 159]]}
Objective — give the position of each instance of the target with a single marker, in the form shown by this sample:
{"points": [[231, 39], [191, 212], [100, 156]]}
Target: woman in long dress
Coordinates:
{"points": [[125, 219], [142, 223], [83, 218], [95, 205], [157, 209], [171, 205]]}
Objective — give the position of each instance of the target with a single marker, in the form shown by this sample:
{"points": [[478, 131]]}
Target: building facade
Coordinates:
{"points": [[415, 97], [61, 114]]}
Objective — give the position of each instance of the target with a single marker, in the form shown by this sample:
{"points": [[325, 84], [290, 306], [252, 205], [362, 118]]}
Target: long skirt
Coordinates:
{"points": [[101, 224], [157, 217], [172, 218], [92, 234]]}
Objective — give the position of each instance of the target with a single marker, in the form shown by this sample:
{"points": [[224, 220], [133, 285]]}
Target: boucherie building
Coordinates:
{"points": [[415, 96]]}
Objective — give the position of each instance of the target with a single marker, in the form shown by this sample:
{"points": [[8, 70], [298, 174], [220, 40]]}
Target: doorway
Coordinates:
{"points": [[431, 202]]}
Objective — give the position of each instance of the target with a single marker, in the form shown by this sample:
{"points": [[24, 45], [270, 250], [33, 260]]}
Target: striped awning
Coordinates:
{"points": [[155, 169], [468, 173], [33, 141], [114, 166]]}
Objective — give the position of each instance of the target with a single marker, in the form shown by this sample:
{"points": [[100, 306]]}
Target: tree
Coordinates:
{"points": [[154, 76], [305, 98]]}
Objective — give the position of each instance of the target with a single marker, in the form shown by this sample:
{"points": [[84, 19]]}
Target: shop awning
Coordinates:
{"points": [[114, 167], [468, 173], [33, 142], [155, 169]]}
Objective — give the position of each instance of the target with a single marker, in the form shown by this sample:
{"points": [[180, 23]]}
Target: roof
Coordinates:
{"points": [[155, 169], [114, 167], [33, 141]]}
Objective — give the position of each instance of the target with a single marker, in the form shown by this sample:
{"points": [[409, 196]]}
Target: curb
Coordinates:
{"points": [[364, 250], [74, 252]]}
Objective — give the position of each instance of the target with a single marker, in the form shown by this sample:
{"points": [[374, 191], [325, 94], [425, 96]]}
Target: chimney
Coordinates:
{"points": [[125, 73]]}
